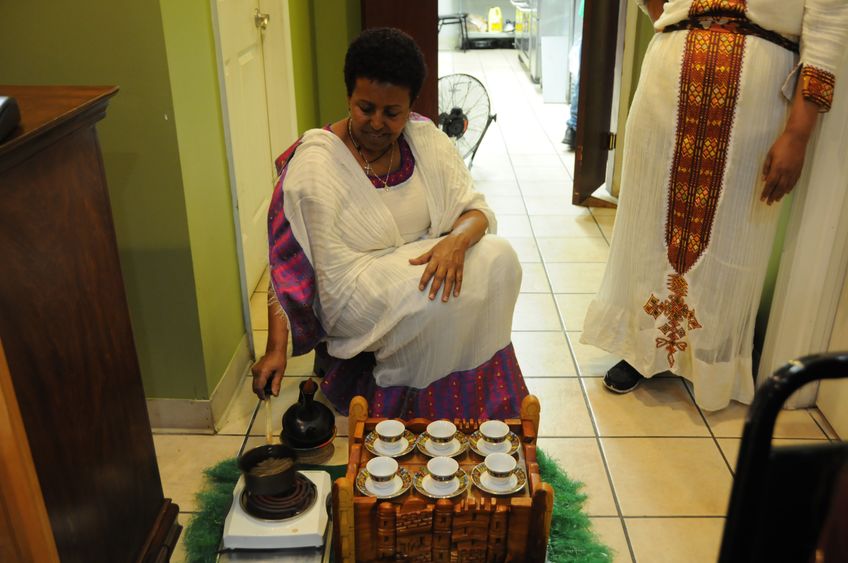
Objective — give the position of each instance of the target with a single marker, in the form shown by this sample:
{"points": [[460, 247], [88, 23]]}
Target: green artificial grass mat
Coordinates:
{"points": [[572, 539]]}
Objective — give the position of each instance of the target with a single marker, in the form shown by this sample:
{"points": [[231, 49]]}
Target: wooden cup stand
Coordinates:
{"points": [[473, 527]]}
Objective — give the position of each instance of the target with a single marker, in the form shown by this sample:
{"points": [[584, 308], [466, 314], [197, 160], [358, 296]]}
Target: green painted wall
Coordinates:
{"points": [[158, 216], [190, 46], [336, 24], [303, 64], [320, 34]]}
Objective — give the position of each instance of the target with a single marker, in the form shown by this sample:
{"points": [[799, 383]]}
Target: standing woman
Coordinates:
{"points": [[729, 94], [380, 257]]}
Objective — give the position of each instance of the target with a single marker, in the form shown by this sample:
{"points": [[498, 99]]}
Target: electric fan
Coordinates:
{"points": [[464, 112]]}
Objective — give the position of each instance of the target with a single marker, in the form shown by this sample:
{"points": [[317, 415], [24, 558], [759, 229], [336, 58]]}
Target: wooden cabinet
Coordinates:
{"points": [[65, 328]]}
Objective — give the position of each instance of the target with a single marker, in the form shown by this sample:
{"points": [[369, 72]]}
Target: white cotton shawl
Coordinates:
{"points": [[368, 297]]}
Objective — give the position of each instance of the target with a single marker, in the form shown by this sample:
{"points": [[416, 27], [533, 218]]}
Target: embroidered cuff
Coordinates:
{"points": [[817, 86]]}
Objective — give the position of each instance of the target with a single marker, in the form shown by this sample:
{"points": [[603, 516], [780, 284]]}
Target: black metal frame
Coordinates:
{"points": [[749, 498]]}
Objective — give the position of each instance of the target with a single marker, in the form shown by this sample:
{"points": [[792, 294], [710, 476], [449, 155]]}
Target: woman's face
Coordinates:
{"points": [[378, 113]]}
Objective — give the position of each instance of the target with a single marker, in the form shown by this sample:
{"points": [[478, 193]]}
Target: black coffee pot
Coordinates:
{"points": [[308, 424]]}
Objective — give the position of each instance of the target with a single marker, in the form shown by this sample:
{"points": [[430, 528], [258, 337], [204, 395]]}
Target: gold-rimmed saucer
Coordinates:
{"points": [[371, 444], [403, 480], [477, 477], [460, 440], [418, 480], [480, 446]]}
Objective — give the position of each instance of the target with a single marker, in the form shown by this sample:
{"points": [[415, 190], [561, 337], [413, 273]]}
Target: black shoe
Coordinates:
{"points": [[622, 378], [570, 138]]}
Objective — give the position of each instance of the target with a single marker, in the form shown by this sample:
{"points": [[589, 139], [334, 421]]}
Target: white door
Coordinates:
{"points": [[252, 166]]}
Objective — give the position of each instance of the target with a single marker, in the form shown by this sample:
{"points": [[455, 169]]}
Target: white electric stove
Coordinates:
{"points": [[299, 533]]}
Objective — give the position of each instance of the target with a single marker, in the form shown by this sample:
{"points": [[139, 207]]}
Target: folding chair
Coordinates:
{"points": [[782, 495]]}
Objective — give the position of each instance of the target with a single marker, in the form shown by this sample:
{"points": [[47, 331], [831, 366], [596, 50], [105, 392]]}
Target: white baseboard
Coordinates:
{"points": [[202, 416]]}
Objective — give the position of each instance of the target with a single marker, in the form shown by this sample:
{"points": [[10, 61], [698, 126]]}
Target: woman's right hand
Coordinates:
{"points": [[271, 366]]}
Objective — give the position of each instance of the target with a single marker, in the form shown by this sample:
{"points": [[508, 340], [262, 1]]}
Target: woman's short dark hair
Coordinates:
{"points": [[385, 54]]}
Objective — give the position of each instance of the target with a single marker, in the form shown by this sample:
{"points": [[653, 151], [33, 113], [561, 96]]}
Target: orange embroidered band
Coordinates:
{"points": [[817, 86]]}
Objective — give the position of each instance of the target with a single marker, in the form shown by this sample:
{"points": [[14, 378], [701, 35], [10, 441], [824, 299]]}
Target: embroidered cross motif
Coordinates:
{"points": [[675, 309]]}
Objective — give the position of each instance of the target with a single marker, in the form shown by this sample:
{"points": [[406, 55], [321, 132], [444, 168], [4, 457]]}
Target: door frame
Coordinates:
{"points": [[594, 157], [280, 58]]}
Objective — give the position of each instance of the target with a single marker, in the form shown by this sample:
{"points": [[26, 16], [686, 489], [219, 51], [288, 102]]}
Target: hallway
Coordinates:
{"points": [[657, 470]]}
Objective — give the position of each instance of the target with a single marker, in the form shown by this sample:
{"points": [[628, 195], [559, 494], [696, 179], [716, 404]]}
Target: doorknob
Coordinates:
{"points": [[261, 20]]}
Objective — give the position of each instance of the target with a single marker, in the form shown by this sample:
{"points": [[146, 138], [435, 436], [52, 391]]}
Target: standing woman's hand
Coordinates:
{"points": [[782, 166], [785, 160]]}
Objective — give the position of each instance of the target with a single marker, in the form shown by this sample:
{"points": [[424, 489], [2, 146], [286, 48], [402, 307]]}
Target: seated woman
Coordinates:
{"points": [[380, 258]]}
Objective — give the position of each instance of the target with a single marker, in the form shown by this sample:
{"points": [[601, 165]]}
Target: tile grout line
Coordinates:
{"points": [[577, 366], [709, 428], [815, 420]]}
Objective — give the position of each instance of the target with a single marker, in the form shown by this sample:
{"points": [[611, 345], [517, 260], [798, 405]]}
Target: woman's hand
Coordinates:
{"points": [[782, 166], [271, 366], [445, 262]]}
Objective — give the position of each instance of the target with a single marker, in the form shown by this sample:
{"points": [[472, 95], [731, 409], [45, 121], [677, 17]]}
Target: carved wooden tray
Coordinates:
{"points": [[476, 526]]}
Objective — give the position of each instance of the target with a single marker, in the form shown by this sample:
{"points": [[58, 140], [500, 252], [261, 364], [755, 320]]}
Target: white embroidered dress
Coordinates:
{"points": [[692, 239]]}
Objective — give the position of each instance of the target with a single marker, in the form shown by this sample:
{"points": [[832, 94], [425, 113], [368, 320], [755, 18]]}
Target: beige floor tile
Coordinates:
{"points": [[259, 311], [572, 308], [559, 205], [542, 160], [668, 476], [264, 281], [729, 423], [659, 407], [574, 249], [182, 459], [564, 226], [525, 248], [514, 226], [534, 279], [288, 396], [825, 424], [730, 446], [503, 187], [506, 204], [237, 418], [675, 540], [558, 189], [338, 456], [535, 311], [543, 354], [575, 277], [581, 460], [611, 533], [564, 412], [541, 173], [603, 211], [592, 361], [605, 222], [179, 554]]}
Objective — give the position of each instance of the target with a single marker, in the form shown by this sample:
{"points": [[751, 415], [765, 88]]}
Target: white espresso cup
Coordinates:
{"points": [[500, 468], [443, 471], [382, 471], [494, 431], [389, 432], [441, 434]]}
